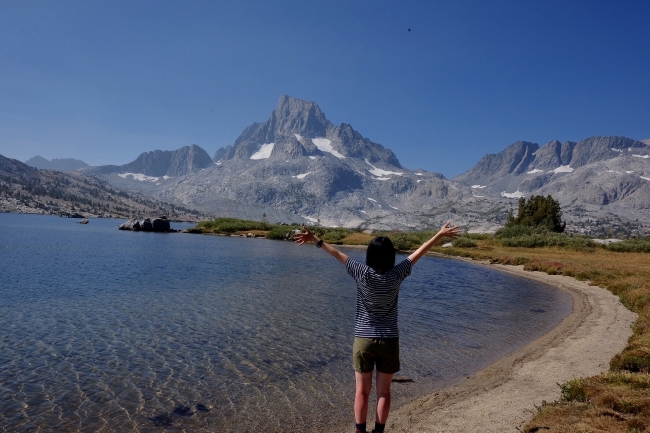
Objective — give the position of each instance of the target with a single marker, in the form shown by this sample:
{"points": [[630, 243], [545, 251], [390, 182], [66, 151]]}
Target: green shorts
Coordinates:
{"points": [[384, 352]]}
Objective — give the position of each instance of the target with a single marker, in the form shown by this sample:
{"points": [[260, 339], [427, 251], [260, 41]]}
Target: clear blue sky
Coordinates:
{"points": [[106, 81]]}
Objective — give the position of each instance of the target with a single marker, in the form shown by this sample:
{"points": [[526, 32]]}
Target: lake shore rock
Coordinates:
{"points": [[159, 225]]}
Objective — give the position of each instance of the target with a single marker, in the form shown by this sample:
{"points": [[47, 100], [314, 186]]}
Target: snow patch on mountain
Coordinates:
{"points": [[562, 169], [479, 186], [301, 176], [264, 152], [516, 194], [535, 171], [381, 173], [325, 145], [141, 177], [641, 156]]}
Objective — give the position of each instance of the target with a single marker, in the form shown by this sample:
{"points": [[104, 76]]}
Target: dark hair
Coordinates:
{"points": [[380, 254]]}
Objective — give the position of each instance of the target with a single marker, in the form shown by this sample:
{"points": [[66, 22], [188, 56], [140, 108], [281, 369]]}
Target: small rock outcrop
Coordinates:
{"points": [[131, 224], [160, 225]]}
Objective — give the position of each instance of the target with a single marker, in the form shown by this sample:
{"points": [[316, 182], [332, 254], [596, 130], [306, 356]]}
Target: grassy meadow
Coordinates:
{"points": [[617, 401]]}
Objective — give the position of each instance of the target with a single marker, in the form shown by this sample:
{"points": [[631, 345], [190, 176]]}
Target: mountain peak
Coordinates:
{"points": [[69, 164], [298, 129], [295, 116]]}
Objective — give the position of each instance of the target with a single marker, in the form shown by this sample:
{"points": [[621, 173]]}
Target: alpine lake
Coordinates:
{"points": [[104, 330]]}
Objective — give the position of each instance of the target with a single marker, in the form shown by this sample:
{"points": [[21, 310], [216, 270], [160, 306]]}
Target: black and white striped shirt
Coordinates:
{"points": [[376, 314]]}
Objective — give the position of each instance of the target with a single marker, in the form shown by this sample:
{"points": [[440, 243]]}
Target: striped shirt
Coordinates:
{"points": [[376, 313]]}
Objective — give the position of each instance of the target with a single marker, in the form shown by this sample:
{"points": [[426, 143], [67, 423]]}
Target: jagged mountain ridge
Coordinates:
{"points": [[299, 128], [64, 164], [298, 166], [160, 163], [301, 164], [593, 177], [566, 169]]}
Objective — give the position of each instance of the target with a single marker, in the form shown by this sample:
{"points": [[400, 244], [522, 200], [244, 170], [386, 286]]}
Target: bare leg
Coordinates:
{"points": [[364, 385], [383, 396]]}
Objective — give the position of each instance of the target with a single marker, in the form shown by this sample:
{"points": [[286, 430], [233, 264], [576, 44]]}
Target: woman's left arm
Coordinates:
{"points": [[445, 232]]}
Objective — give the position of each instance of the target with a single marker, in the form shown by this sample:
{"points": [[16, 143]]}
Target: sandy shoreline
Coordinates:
{"points": [[503, 397]]}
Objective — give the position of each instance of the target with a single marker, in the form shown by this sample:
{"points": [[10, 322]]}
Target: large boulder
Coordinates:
{"points": [[161, 224], [146, 225], [131, 224]]}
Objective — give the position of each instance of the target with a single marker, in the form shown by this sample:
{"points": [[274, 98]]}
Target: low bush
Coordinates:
{"points": [[334, 235], [464, 242], [529, 237], [232, 225], [280, 233], [406, 241], [574, 390], [630, 246]]}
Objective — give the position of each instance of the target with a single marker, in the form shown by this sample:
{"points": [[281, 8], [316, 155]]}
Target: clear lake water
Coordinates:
{"points": [[104, 330]]}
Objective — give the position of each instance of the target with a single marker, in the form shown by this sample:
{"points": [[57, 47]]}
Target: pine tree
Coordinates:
{"points": [[538, 211]]}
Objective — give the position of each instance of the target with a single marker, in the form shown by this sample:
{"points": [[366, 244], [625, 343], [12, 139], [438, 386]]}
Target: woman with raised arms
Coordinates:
{"points": [[376, 336]]}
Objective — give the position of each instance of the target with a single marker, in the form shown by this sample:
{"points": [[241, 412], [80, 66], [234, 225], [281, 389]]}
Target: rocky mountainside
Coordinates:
{"points": [[299, 128], [25, 189], [596, 177], [299, 167], [65, 164]]}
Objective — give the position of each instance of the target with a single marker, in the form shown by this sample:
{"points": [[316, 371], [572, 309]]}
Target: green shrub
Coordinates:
{"points": [[574, 390], [231, 225], [630, 246], [280, 233], [531, 237], [464, 242], [548, 239], [332, 235], [513, 231]]}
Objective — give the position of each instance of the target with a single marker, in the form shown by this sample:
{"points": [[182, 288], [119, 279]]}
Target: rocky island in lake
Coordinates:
{"points": [[160, 225]]}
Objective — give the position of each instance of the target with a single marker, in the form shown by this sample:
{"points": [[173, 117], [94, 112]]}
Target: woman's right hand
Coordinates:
{"points": [[301, 238], [449, 232]]}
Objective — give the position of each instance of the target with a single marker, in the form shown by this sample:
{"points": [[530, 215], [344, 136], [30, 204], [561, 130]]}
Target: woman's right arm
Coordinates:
{"points": [[445, 232], [301, 238]]}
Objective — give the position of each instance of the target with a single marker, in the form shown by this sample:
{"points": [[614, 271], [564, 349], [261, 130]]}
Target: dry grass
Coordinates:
{"points": [[617, 401]]}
